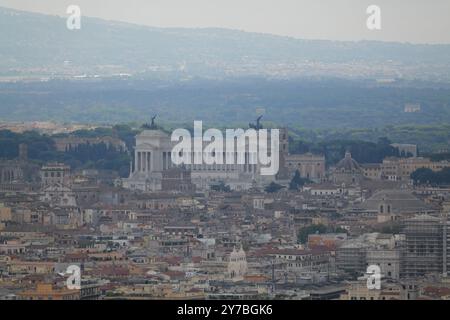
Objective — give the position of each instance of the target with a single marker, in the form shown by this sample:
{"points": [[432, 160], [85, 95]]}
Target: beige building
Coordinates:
{"points": [[358, 290], [55, 174], [310, 166], [49, 292], [5, 213], [13, 247], [31, 267], [372, 171], [400, 169]]}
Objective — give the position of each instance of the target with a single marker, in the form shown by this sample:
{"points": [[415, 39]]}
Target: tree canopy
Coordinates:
{"points": [[297, 181], [427, 176]]}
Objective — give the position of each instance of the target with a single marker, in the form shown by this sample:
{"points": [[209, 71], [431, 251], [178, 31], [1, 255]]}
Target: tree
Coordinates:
{"points": [[428, 176], [423, 176], [297, 181], [303, 233], [273, 187]]}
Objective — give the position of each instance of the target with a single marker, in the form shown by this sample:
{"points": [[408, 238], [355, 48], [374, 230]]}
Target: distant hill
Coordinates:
{"points": [[40, 45], [116, 72]]}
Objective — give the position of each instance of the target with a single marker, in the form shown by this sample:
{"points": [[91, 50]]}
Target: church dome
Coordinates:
{"points": [[348, 164]]}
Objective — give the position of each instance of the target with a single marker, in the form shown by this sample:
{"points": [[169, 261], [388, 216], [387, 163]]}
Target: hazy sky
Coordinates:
{"points": [[423, 21]]}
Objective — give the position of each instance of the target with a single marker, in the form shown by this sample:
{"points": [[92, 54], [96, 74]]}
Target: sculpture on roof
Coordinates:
{"points": [[151, 126], [258, 124]]}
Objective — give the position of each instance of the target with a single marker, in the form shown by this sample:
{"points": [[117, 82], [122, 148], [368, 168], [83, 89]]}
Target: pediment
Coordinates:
{"points": [[147, 146]]}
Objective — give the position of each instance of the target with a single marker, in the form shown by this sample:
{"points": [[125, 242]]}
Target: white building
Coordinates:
{"points": [[237, 265], [152, 158]]}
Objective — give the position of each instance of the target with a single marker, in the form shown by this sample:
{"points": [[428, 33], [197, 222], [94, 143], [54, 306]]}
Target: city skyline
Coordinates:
{"points": [[154, 162]]}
